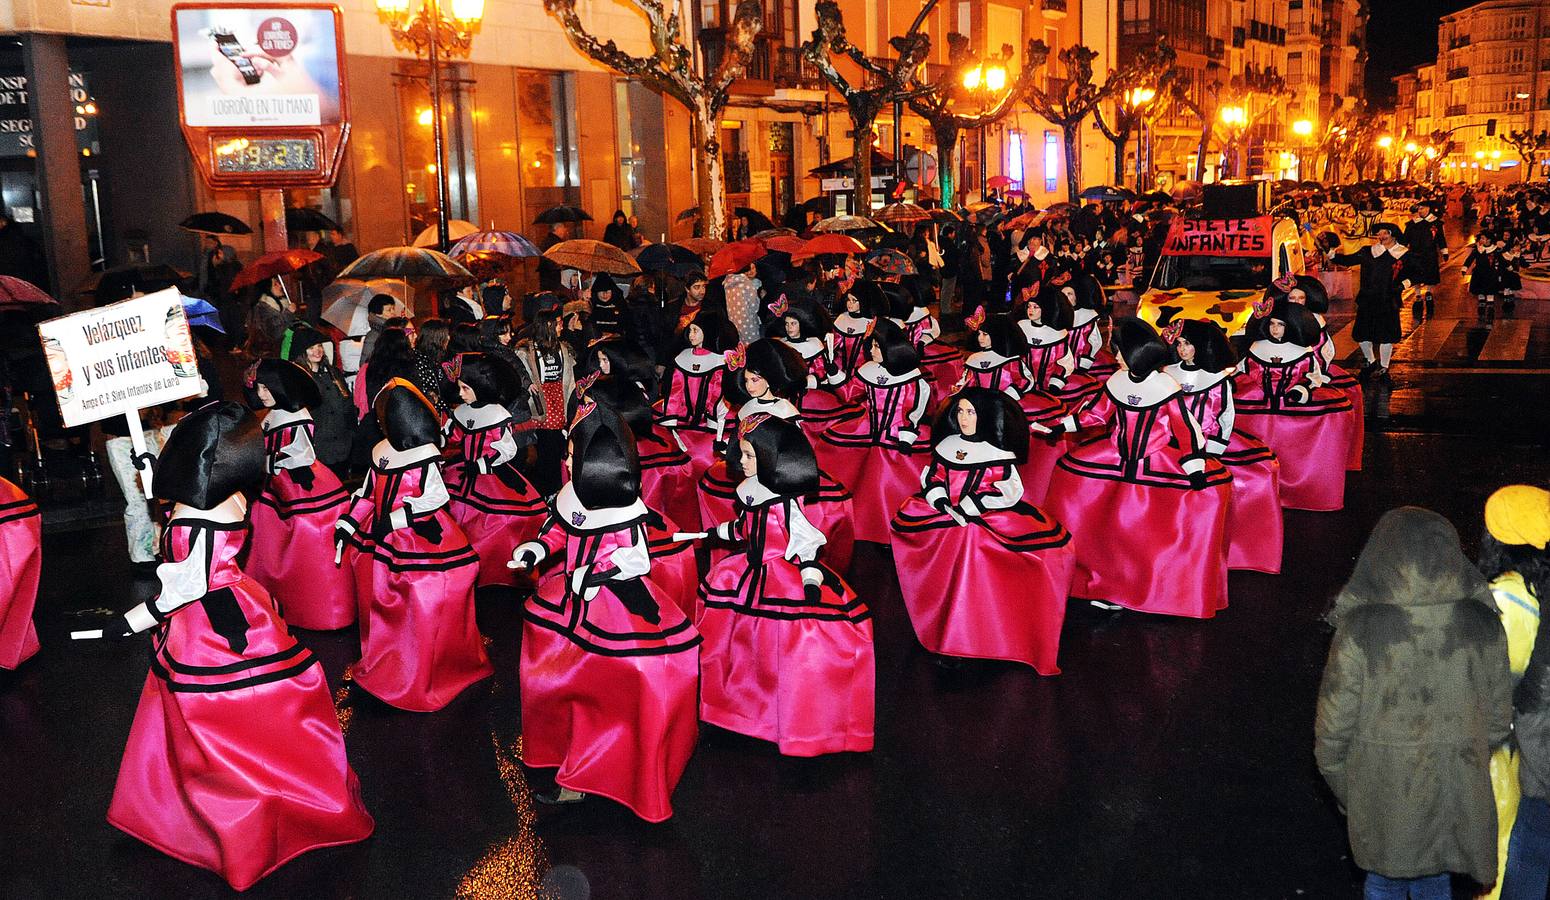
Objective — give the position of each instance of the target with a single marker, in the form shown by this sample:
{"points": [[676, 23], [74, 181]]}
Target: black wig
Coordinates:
{"points": [[1213, 352], [1006, 339], [1002, 422], [406, 418], [290, 385], [1140, 347], [604, 469], [213, 452], [777, 363], [493, 379], [899, 356], [787, 465]]}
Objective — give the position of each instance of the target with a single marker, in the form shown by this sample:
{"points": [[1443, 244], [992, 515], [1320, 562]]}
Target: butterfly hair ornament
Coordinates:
{"points": [[584, 384], [1263, 306], [250, 376], [1172, 330], [1030, 292], [746, 426], [779, 307], [737, 357], [1061, 279], [454, 368], [976, 319], [1285, 283], [584, 409]]}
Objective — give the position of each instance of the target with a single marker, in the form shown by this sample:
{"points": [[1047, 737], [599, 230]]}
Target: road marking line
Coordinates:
{"points": [[1426, 341], [1508, 340], [1344, 346], [1479, 370]]}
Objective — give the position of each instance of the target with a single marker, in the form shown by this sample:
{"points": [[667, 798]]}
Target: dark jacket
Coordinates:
{"points": [[1416, 693], [334, 417]]}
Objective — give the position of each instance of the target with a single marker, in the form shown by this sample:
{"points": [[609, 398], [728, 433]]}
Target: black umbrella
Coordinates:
{"points": [[561, 213], [684, 271], [305, 218], [692, 212], [1106, 193], [757, 221], [662, 257], [214, 223], [117, 284]]}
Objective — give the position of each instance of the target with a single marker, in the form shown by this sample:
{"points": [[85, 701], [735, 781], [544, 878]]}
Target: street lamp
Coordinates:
{"points": [[1235, 118], [434, 29], [983, 82], [1137, 99], [1302, 128]]}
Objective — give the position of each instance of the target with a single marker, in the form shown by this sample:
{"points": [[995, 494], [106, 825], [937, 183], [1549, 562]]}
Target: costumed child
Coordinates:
{"points": [[998, 363], [667, 486], [876, 455], [21, 561], [805, 328], [692, 403], [1484, 265], [293, 520], [235, 762], [414, 568], [1204, 366], [1088, 301], [942, 362], [1146, 504], [984, 574], [1046, 322], [764, 378], [1282, 399], [610, 666], [490, 500], [788, 645], [859, 307], [1310, 292]]}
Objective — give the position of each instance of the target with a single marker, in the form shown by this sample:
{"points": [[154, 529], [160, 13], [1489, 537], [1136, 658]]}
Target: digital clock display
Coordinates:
{"points": [[263, 155]]}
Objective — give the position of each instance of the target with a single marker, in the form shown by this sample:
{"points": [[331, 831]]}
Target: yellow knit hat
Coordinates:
{"points": [[1519, 514]]}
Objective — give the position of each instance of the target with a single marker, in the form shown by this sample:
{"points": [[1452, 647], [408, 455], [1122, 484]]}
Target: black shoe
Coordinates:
{"points": [[1366, 371], [1417, 310], [1431, 306], [1383, 375], [559, 796]]}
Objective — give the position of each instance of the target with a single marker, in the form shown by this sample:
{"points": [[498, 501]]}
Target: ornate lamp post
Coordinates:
{"points": [[1235, 119], [984, 82], [434, 29], [1137, 99]]}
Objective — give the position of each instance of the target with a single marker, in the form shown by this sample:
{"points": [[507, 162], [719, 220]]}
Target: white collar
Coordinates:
{"points": [[1041, 335], [575, 516], [228, 512], [1040, 254], [779, 407], [478, 418], [1192, 380], [1267, 350], [917, 314], [806, 347], [877, 376], [754, 494], [985, 360], [1149, 391], [849, 324], [1395, 251], [957, 450], [279, 418], [385, 458], [1082, 317], [701, 360], [1430, 217]]}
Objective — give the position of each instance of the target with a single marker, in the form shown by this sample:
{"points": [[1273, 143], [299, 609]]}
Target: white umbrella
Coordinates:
{"points": [[457, 229], [345, 302]]}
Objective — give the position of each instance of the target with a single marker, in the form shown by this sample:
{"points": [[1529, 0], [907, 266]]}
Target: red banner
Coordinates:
{"points": [[1218, 237]]}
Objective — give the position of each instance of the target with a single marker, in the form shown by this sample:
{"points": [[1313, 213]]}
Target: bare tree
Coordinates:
{"points": [[1217, 94], [1529, 145], [1069, 101], [935, 102], [671, 69], [1129, 114], [884, 84]]}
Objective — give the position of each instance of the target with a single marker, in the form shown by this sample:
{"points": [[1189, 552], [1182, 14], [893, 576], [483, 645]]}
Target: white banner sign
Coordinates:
{"points": [[121, 358]]}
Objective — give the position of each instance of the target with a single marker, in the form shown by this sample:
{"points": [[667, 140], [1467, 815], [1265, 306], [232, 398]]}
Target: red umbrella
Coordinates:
{"points": [[830, 242], [735, 257], [16, 294], [270, 265], [785, 243], [999, 181]]}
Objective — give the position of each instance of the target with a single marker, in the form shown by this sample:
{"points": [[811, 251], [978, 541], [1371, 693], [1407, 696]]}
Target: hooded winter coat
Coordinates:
{"points": [[1416, 693]]}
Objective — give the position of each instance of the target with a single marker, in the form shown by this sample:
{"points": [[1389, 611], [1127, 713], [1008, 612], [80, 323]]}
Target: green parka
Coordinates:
{"points": [[1416, 693]]}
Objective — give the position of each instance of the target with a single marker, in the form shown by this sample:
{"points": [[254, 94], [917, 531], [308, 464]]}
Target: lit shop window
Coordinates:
{"points": [[1014, 165], [1051, 161]]}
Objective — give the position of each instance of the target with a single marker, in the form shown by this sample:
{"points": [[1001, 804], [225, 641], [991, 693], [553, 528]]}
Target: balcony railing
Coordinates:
{"points": [[1457, 110], [1216, 48], [792, 71]]}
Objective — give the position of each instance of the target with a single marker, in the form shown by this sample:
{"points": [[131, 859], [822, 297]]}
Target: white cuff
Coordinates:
{"points": [[1194, 465], [907, 436], [936, 493], [398, 519], [1068, 423], [970, 507], [140, 619], [1216, 446], [812, 575]]}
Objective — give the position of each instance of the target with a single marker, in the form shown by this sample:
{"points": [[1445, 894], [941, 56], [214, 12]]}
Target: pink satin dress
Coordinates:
{"points": [[1146, 538], [693, 404], [821, 408], [847, 352], [235, 762], [1254, 528], [991, 583], [414, 575], [776, 665], [942, 363], [21, 561], [609, 665], [988, 369], [292, 550], [490, 500], [1280, 397], [879, 456]]}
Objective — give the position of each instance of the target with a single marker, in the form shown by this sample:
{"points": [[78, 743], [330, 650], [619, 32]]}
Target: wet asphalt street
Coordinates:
{"points": [[1171, 758]]}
